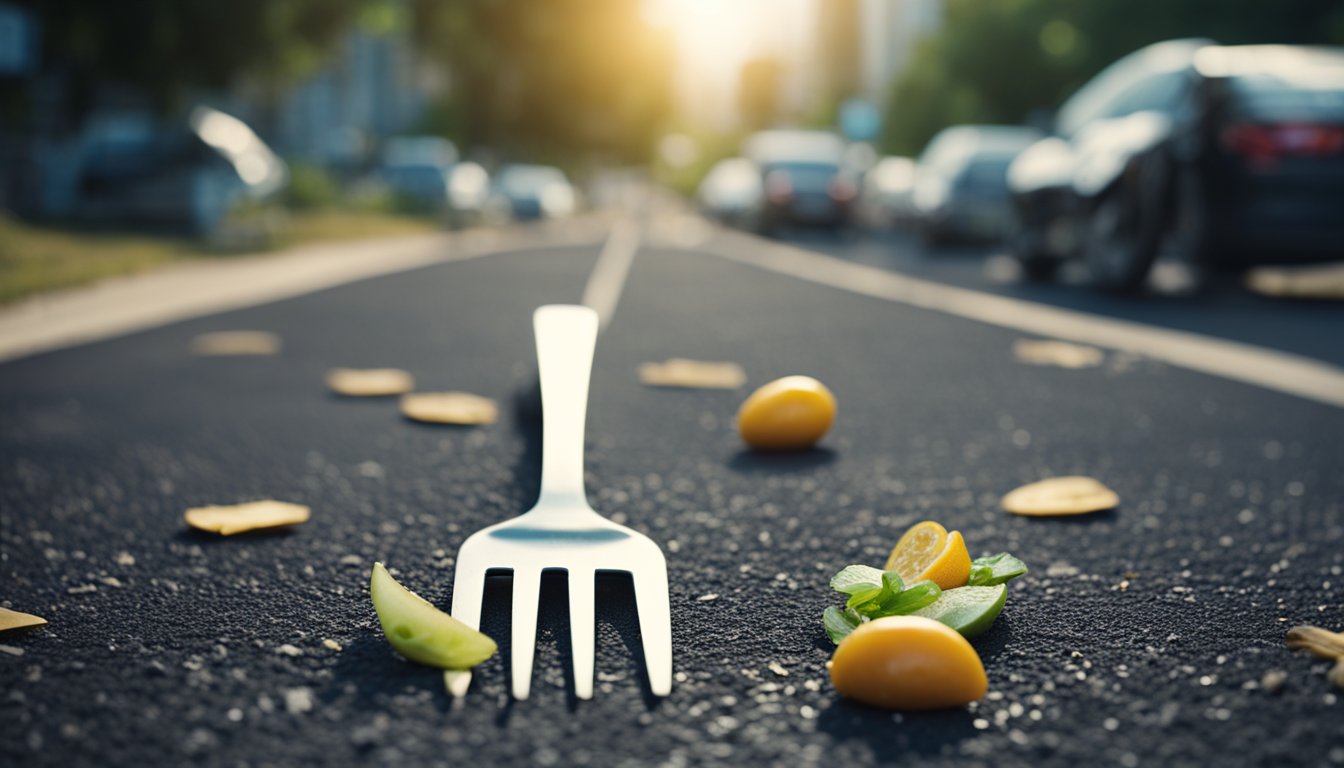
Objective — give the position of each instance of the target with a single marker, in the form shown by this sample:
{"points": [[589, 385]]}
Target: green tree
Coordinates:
{"points": [[164, 48], [550, 79]]}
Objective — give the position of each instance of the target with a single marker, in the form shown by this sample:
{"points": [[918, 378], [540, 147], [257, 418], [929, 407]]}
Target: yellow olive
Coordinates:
{"points": [[908, 662], [791, 413]]}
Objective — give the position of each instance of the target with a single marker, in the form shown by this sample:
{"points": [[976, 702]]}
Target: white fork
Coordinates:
{"points": [[562, 532]]}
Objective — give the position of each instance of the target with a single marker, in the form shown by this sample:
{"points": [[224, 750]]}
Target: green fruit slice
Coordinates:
{"points": [[969, 610], [421, 632]]}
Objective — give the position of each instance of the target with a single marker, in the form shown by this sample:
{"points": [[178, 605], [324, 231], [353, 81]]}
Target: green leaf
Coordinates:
{"points": [[870, 603], [862, 583], [995, 569], [857, 578], [862, 601], [913, 598], [839, 622]]}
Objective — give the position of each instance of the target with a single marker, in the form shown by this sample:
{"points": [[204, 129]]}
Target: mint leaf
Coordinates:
{"points": [[869, 603], [839, 622], [913, 598], [857, 578], [995, 569]]}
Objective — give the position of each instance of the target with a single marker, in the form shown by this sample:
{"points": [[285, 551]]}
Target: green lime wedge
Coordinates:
{"points": [[421, 632], [969, 610]]}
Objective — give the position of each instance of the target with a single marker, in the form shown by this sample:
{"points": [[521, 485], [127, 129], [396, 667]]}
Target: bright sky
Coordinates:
{"points": [[714, 38]]}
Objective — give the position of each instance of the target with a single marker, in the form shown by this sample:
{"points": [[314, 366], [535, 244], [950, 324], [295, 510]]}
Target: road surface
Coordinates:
{"points": [[1142, 636]]}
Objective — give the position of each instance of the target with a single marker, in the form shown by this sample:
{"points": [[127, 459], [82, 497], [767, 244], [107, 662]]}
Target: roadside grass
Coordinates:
{"points": [[37, 258]]}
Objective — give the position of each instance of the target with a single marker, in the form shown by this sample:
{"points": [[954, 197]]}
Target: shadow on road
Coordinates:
{"points": [[757, 461]]}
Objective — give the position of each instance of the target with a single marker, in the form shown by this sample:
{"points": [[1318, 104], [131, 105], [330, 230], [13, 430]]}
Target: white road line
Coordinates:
{"points": [[613, 266], [1259, 366], [125, 305]]}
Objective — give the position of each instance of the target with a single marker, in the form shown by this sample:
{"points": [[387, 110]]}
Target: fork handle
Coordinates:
{"points": [[566, 336]]}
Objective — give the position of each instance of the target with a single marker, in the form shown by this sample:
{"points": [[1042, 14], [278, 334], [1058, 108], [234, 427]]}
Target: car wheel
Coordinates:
{"points": [[1039, 269], [1119, 245]]}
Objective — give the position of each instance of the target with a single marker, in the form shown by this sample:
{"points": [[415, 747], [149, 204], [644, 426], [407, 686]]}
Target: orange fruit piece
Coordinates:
{"points": [[928, 551], [908, 663]]}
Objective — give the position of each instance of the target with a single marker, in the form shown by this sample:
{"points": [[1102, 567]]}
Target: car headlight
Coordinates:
{"points": [[557, 200]]}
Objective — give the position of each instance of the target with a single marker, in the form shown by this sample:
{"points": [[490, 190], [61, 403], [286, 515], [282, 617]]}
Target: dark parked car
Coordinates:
{"points": [[190, 177], [418, 170], [961, 186], [1232, 156], [804, 177]]}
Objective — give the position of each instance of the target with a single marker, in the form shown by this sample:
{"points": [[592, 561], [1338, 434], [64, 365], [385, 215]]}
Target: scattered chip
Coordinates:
{"points": [[1322, 643], [1061, 496], [234, 343], [240, 518], [1059, 353], [1315, 282], [697, 374], [18, 620], [369, 382], [449, 408]]}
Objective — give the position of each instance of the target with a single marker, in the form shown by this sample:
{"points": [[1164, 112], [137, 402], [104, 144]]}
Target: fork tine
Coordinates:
{"points": [[655, 622], [526, 593], [582, 629], [468, 591]]}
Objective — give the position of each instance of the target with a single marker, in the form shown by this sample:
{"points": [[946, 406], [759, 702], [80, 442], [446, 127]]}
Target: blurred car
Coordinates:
{"points": [[468, 193], [418, 171], [961, 182], [804, 178], [888, 192], [733, 193], [1231, 156], [130, 169], [531, 192]]}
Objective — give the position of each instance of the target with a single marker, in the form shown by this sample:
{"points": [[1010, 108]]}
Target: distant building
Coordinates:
{"points": [[840, 48], [890, 31], [371, 89]]}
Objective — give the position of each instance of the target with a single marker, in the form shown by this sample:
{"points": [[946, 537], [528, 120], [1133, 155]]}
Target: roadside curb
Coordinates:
{"points": [[123, 305]]}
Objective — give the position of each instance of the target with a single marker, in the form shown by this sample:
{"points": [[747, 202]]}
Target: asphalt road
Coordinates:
{"points": [[1141, 636], [1222, 307]]}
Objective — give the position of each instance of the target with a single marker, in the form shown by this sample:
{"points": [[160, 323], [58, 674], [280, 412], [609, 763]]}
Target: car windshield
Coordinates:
{"points": [[807, 175], [528, 179], [1106, 94], [987, 172]]}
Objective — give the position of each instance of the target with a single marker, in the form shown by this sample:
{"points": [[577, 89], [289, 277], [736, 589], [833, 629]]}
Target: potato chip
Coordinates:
{"points": [[1061, 496], [1322, 643], [235, 343], [240, 518], [18, 620], [449, 408], [1313, 282], [1059, 353], [369, 382], [696, 374]]}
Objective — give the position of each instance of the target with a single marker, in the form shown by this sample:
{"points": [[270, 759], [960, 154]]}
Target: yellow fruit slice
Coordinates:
{"points": [[928, 551], [1074, 495], [917, 548], [952, 567]]}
